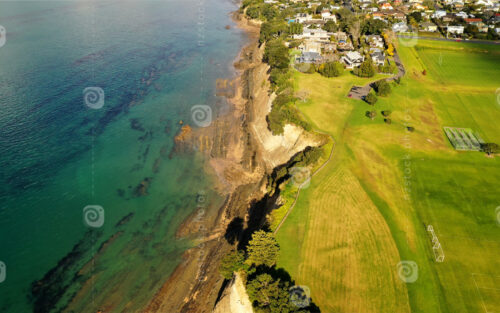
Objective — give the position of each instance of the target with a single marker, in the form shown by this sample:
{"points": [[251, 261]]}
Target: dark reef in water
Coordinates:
{"points": [[48, 291]]}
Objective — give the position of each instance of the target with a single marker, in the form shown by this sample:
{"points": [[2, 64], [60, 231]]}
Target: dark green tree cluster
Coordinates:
{"points": [[268, 289], [276, 54], [373, 27], [296, 28], [382, 88], [331, 69], [366, 69]]}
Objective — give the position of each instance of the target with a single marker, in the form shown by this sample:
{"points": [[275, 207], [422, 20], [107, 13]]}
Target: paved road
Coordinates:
{"points": [[487, 42], [360, 92]]}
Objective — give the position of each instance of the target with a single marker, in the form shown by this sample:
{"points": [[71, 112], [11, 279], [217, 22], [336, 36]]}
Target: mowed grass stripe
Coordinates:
{"points": [[349, 257]]}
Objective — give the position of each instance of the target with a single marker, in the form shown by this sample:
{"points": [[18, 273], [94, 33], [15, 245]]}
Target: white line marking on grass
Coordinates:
{"points": [[479, 292]]}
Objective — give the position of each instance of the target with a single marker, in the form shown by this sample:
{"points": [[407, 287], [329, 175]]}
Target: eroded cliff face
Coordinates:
{"points": [[241, 152]]}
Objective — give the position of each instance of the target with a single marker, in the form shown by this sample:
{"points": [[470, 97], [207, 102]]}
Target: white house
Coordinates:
{"points": [[303, 17], [461, 14], [314, 34], [327, 16], [439, 14], [375, 41], [352, 59], [400, 27], [378, 57], [455, 29]]}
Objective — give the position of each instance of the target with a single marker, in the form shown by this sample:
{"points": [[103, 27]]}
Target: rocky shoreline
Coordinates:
{"points": [[242, 153]]}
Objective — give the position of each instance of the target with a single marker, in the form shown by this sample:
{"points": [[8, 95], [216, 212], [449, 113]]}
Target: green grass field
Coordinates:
{"points": [[356, 221]]}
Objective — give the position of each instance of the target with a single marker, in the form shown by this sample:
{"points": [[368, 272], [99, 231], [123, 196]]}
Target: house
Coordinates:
{"points": [[378, 57], [375, 41], [397, 2], [400, 27], [310, 57], [386, 6], [418, 7], [395, 14], [314, 34], [378, 16], [461, 14], [439, 14], [326, 15], [310, 46], [455, 29], [473, 21], [302, 17], [428, 27], [352, 59]]}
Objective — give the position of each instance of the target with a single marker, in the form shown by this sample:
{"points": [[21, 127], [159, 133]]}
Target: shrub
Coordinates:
{"points": [[410, 129], [371, 98], [387, 120], [386, 113], [371, 114]]}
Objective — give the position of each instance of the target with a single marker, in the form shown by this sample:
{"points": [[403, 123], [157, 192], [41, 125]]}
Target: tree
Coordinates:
{"points": [[387, 120], [296, 28], [270, 295], [373, 27], [270, 12], [415, 15], [230, 263], [366, 69], [330, 26], [276, 54], [272, 30], [263, 249], [386, 113], [490, 148], [382, 88], [371, 98], [253, 12], [331, 69]]}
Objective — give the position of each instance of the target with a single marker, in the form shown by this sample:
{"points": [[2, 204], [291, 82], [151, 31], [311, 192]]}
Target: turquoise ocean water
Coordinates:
{"points": [[153, 60]]}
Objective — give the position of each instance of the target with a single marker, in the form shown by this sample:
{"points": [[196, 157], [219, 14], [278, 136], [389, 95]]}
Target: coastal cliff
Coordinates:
{"points": [[241, 152]]}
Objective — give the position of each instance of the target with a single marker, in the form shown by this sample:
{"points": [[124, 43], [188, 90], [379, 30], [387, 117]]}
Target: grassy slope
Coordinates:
{"points": [[353, 224]]}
